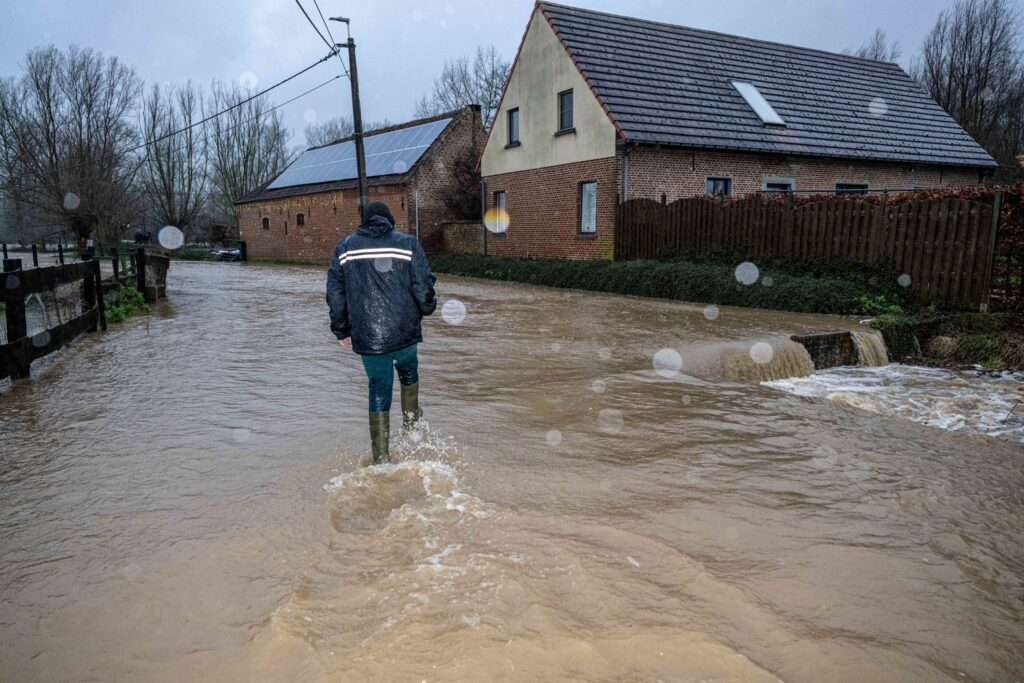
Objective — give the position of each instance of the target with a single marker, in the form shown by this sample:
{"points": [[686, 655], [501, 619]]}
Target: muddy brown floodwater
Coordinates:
{"points": [[181, 500]]}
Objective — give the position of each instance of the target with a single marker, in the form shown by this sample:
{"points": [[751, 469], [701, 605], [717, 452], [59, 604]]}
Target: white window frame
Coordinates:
{"points": [[508, 123], [712, 178], [586, 229], [572, 107], [778, 181]]}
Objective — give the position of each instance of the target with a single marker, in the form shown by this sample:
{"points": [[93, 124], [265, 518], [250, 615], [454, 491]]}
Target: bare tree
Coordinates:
{"points": [[332, 130], [248, 147], [67, 138], [972, 64], [879, 48], [464, 82], [173, 176]]}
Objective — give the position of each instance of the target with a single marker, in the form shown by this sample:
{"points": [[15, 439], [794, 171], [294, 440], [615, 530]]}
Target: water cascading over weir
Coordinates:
{"points": [[801, 354]]}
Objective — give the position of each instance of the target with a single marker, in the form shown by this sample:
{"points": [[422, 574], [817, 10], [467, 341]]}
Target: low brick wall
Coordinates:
{"points": [[462, 237]]}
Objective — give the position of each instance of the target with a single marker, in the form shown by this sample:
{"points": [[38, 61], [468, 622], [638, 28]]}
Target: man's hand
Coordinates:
{"points": [[346, 342]]}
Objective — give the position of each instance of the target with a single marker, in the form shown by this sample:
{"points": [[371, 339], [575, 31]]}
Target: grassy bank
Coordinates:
{"points": [[123, 302], [994, 341], [803, 287]]}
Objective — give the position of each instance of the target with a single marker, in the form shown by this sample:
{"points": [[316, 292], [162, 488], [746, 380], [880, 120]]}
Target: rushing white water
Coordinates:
{"points": [[957, 401]]}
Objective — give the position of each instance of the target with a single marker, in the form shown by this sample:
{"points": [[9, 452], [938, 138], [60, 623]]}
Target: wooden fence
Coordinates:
{"points": [[17, 354], [945, 245]]}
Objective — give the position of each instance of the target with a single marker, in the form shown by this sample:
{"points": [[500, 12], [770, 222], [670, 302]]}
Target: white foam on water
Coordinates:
{"points": [[946, 399]]}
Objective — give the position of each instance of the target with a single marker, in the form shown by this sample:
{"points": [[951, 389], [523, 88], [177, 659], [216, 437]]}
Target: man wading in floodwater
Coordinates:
{"points": [[379, 287]]}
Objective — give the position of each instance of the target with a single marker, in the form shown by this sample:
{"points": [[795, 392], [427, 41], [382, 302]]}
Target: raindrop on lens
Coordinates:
{"points": [[132, 572], [399, 167], [747, 273], [668, 363], [762, 353], [878, 107], [686, 399], [610, 420], [604, 353], [309, 116], [382, 265], [453, 311], [496, 220], [170, 237], [13, 281], [711, 312], [903, 280], [767, 281], [554, 437], [41, 339], [248, 80], [598, 386], [556, 347], [240, 435], [71, 201]]}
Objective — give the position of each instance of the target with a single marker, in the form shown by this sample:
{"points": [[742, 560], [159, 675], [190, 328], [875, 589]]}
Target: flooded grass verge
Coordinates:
{"points": [[992, 342]]}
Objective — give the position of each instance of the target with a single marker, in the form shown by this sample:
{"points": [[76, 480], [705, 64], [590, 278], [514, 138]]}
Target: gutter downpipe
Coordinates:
{"points": [[626, 149], [483, 214]]}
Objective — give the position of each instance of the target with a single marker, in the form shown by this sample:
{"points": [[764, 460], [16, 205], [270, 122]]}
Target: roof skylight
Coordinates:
{"points": [[758, 103]]}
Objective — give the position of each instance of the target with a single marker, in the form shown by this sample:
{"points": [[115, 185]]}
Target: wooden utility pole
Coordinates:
{"points": [[357, 122]]}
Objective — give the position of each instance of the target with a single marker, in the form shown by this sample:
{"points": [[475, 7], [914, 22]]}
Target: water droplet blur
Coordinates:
{"points": [[453, 311], [767, 281], [240, 435], [382, 265], [762, 353], [903, 280], [13, 281], [711, 312], [668, 363], [170, 237], [309, 116], [41, 339], [71, 201], [878, 107], [554, 437], [604, 353], [693, 475], [248, 80], [399, 167], [496, 220], [686, 399], [610, 420], [132, 572], [747, 273], [556, 347], [598, 386]]}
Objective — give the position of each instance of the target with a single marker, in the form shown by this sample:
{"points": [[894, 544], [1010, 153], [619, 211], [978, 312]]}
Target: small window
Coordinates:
{"points": [[564, 111], [501, 217], [300, 219], [758, 103], [588, 208], [722, 186], [851, 188], [513, 127], [266, 223], [780, 185]]}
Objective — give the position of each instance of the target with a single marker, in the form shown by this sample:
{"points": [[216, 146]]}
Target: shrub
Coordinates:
{"points": [[122, 302]]}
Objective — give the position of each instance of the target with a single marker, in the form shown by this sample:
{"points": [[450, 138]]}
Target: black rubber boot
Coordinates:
{"points": [[411, 412], [380, 434]]}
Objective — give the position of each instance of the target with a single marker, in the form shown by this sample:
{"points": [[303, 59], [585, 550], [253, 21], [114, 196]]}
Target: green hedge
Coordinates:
{"points": [[780, 286]]}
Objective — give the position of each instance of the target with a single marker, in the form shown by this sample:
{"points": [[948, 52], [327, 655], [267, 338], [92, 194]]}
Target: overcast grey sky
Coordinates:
{"points": [[402, 44]]}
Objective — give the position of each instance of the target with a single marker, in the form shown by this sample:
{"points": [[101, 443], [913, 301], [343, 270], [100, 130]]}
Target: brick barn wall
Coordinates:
{"points": [[544, 211], [681, 173], [462, 237], [329, 217], [435, 178]]}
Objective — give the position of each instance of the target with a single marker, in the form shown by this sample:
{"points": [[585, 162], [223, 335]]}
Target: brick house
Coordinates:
{"points": [[301, 213], [600, 108]]}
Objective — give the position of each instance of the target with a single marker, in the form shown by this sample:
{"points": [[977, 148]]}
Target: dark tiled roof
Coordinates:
{"points": [[671, 85]]}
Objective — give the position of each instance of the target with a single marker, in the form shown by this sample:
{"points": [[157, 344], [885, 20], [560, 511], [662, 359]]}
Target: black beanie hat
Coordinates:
{"points": [[377, 209]]}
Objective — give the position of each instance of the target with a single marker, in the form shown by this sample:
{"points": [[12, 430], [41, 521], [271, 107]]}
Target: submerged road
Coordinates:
{"points": [[181, 499]]}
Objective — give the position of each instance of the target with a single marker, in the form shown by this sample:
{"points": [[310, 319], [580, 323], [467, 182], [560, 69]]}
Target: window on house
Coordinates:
{"points": [[300, 219], [779, 185], [564, 111], [851, 188], [266, 223], [758, 103], [501, 214], [588, 208], [721, 186], [513, 127]]}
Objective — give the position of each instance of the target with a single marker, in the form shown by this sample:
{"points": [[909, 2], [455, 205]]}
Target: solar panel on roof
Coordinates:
{"points": [[386, 153]]}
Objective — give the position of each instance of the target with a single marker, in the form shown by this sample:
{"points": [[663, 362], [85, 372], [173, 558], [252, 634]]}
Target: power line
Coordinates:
{"points": [[331, 36], [198, 123], [311, 23]]}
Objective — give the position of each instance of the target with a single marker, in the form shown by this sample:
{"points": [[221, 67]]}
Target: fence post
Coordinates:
{"points": [[35, 256], [115, 262], [100, 303], [17, 324], [140, 270], [990, 259], [5, 251], [60, 253], [89, 293]]}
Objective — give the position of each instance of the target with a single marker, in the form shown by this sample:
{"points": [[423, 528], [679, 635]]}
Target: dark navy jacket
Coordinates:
{"points": [[379, 287]]}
